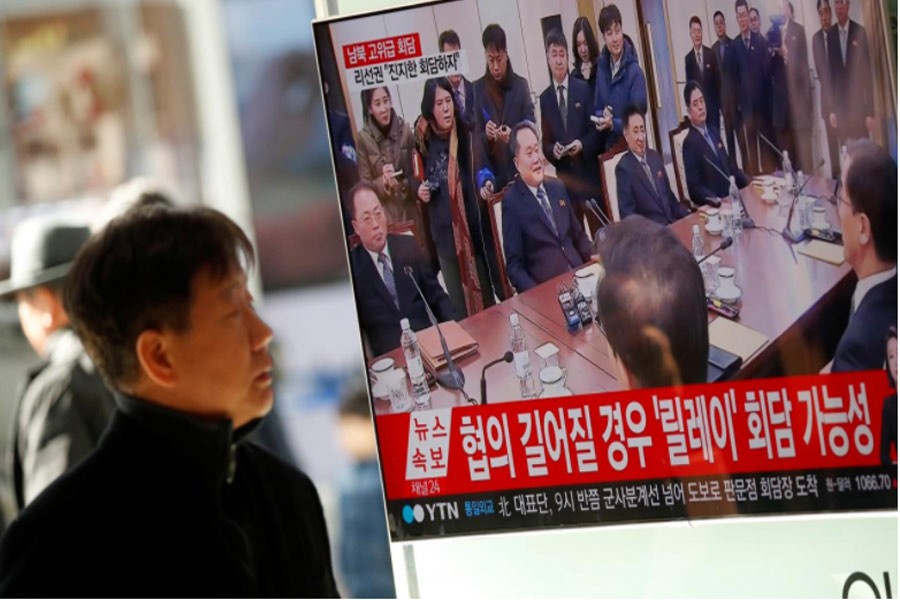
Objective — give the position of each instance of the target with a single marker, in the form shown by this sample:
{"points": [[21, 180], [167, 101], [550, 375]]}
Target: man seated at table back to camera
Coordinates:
{"points": [[63, 407], [651, 305], [542, 237], [641, 181], [384, 292], [867, 208], [703, 146], [173, 501]]}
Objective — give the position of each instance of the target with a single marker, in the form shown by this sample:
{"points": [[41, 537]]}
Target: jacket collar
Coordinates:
{"points": [[628, 56], [207, 448]]}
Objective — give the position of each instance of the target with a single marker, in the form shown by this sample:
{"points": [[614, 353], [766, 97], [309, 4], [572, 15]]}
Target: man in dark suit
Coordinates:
{"points": [[791, 97], [570, 141], [502, 99], [749, 72], [463, 90], [384, 293], [853, 103], [701, 66], [867, 208], [701, 146], [541, 236], [641, 181], [727, 97], [823, 71]]}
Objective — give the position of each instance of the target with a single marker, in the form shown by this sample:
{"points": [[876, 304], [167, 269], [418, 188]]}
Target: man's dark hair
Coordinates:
{"points": [[754, 10], [652, 304], [891, 335], [137, 274], [630, 111], [739, 3], [689, 88], [555, 37], [872, 189], [583, 25], [718, 13], [609, 16], [514, 134], [354, 192], [822, 3], [448, 37], [695, 19], [494, 37]]}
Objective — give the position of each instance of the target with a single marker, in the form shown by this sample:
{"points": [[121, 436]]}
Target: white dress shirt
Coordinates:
{"points": [[375, 255]]}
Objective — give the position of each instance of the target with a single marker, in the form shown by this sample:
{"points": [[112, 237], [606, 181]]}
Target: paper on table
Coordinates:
{"points": [[735, 338], [830, 253]]}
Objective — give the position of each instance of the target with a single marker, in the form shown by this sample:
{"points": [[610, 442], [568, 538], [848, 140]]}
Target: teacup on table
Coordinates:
{"points": [[769, 194], [819, 218], [728, 291], [714, 223], [378, 371]]}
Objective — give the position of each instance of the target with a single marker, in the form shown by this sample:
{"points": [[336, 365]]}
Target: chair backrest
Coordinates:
{"points": [[399, 228], [495, 210], [676, 140], [608, 162]]}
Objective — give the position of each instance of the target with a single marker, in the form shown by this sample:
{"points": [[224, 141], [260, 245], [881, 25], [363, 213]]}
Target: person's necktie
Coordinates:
{"points": [[563, 109], [825, 41], [747, 43], [388, 277], [700, 62], [722, 52], [459, 101], [709, 141], [844, 46], [649, 175], [545, 204]]}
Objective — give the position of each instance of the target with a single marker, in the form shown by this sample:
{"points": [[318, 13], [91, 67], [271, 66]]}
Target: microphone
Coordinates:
{"points": [[595, 208], [786, 232], [746, 221], [771, 145], [507, 358], [726, 242], [454, 379]]}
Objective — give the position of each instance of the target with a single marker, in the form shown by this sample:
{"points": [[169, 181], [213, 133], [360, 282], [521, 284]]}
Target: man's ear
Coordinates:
{"points": [[865, 229], [154, 356]]}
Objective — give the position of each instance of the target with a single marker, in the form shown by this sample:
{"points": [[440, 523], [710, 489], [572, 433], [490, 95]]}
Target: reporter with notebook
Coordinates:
{"points": [[384, 293], [651, 306]]}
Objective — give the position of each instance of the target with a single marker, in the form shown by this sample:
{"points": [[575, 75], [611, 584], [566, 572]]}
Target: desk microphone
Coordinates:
{"points": [[771, 145], [746, 221], [454, 379], [600, 234], [726, 242], [507, 358], [786, 232]]}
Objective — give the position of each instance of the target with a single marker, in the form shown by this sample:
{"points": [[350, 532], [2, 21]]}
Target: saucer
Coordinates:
{"points": [[770, 199], [728, 296], [713, 230], [379, 390]]}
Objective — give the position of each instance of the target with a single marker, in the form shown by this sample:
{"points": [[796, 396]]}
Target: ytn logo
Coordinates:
{"points": [[437, 511]]}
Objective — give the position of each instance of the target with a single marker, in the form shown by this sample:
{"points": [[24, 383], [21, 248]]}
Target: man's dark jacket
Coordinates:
{"points": [[862, 347], [171, 506]]}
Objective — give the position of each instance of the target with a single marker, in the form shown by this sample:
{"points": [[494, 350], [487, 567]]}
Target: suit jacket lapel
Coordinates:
{"points": [[370, 272], [570, 112], [640, 173], [531, 203]]}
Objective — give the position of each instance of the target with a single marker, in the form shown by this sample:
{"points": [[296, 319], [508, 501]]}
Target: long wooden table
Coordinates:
{"points": [[799, 303]]}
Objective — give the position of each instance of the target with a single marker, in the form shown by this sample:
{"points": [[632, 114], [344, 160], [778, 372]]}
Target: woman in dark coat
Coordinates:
{"points": [[586, 51]]}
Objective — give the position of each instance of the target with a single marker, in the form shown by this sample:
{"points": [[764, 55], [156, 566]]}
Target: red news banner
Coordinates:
{"points": [[791, 424]]}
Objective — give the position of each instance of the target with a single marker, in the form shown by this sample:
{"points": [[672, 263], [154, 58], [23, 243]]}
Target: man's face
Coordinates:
{"points": [[496, 62], [842, 8], [697, 109], [370, 222], [635, 135], [754, 21], [743, 19], [528, 159], [825, 16], [558, 61], [719, 22], [614, 40], [442, 109], [854, 225], [455, 80], [221, 362], [696, 35], [33, 311], [892, 357]]}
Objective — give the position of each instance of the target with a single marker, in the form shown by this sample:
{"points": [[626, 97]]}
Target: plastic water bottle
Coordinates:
{"points": [[737, 223], [521, 357], [788, 169], [843, 155], [697, 243], [410, 345]]}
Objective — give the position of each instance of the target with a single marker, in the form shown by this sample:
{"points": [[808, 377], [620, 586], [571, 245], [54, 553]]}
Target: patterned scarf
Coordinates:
{"points": [[462, 237]]}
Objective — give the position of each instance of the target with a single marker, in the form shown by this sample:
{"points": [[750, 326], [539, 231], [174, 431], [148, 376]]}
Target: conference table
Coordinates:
{"points": [[799, 303]]}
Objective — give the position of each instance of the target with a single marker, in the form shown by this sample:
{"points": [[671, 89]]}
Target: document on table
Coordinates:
{"points": [[735, 338], [830, 253]]}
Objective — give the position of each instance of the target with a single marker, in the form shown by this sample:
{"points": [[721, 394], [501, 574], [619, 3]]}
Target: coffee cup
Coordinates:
{"points": [[713, 219], [819, 218], [377, 372]]}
